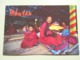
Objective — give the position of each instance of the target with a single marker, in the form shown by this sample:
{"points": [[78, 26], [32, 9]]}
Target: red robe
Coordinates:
{"points": [[30, 39], [11, 30], [49, 40]]}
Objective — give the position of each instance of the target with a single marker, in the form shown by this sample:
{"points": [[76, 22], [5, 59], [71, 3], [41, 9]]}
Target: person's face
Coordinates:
{"points": [[49, 19], [30, 28], [63, 23]]}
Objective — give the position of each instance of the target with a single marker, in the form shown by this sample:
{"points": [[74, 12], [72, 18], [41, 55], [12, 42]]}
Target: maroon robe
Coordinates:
{"points": [[49, 40], [30, 40], [11, 29]]}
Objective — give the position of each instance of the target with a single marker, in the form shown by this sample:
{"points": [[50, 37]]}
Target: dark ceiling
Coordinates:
{"points": [[59, 13]]}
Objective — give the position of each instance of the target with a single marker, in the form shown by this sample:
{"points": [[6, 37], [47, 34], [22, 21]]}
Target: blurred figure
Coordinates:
{"points": [[25, 28], [66, 35], [11, 29], [47, 36], [30, 38], [64, 25], [51, 38], [55, 23]]}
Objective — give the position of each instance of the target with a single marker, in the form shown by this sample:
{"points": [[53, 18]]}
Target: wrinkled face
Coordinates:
{"points": [[49, 19], [30, 28]]}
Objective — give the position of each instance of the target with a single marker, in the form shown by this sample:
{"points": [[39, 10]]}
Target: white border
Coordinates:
{"points": [[3, 3]]}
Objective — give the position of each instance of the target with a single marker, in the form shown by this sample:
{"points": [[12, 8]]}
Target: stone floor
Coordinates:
{"points": [[12, 47]]}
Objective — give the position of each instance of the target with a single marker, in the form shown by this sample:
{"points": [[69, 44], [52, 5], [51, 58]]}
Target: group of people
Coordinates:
{"points": [[56, 39]]}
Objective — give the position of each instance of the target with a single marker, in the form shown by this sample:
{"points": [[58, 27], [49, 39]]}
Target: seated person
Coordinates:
{"points": [[51, 38], [47, 36], [30, 38], [66, 35]]}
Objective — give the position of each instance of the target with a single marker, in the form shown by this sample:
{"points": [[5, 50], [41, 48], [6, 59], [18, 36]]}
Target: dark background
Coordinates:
{"points": [[58, 13]]}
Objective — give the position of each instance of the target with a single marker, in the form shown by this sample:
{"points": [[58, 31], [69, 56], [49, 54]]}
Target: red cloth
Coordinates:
{"points": [[30, 39], [70, 39], [49, 40], [62, 46]]}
